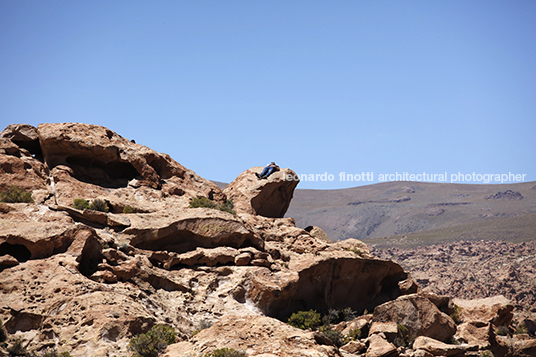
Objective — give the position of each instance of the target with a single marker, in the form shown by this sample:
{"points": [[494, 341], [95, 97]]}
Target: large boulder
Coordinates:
{"points": [[34, 231], [496, 310], [255, 335], [185, 230], [98, 156], [333, 279], [266, 197], [437, 348], [419, 315]]}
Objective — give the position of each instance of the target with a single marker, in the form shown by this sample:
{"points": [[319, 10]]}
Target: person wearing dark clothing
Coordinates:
{"points": [[267, 171]]}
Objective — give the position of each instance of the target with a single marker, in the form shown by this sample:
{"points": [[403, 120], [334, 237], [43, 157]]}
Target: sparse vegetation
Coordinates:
{"points": [[152, 343], [502, 331], [520, 329], [80, 204], [353, 335], [334, 336], [15, 194], [99, 205], [402, 340], [128, 209], [226, 352], [203, 202], [355, 250], [96, 205], [335, 316], [204, 324], [54, 353], [17, 348], [305, 320], [456, 315]]}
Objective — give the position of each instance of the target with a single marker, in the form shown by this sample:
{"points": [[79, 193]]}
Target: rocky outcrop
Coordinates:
{"points": [[329, 280], [255, 335], [506, 195], [188, 229], [496, 310], [87, 281], [437, 348], [472, 269], [270, 197], [420, 316]]}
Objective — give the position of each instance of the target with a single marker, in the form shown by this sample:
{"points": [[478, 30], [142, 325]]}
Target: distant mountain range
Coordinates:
{"points": [[415, 213]]}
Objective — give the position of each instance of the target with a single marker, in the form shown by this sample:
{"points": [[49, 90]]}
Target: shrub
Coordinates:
{"points": [[348, 314], [54, 353], [203, 202], [17, 348], [402, 340], [128, 209], [521, 329], [81, 204], [204, 324], [502, 331], [353, 335], [305, 319], [15, 194], [456, 315], [99, 205], [226, 352], [152, 343], [334, 336], [227, 206]]}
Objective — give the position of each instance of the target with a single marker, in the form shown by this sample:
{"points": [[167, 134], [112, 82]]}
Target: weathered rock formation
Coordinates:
{"points": [[269, 198], [87, 281]]}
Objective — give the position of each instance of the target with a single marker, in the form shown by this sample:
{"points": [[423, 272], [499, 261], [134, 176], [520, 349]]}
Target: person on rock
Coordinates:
{"points": [[267, 171]]}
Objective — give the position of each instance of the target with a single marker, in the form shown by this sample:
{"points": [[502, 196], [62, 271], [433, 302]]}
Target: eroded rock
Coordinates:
{"points": [[269, 198]]}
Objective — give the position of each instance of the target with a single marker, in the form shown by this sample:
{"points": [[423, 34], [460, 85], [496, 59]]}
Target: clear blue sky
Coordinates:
{"points": [[317, 86]]}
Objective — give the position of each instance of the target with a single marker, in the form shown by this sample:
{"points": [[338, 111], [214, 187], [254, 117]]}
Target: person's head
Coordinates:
{"points": [[273, 163]]}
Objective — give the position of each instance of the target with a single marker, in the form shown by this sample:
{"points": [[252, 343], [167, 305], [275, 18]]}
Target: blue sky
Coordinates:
{"points": [[377, 87]]}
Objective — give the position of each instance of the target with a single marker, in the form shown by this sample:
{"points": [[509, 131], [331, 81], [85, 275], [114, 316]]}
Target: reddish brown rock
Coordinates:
{"points": [[269, 198]]}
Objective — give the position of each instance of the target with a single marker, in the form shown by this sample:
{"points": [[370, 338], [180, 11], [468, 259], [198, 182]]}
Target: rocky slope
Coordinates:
{"points": [[472, 269], [86, 281], [420, 212]]}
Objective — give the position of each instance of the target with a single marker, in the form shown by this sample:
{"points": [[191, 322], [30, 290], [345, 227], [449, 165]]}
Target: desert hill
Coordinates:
{"points": [[416, 213], [108, 248]]}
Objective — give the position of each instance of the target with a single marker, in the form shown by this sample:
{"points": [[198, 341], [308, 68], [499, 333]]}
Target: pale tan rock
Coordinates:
{"points": [[255, 335], [354, 347], [98, 157], [7, 261], [24, 172], [435, 347], [418, 315], [496, 309], [362, 323], [318, 233], [269, 198], [389, 329], [380, 347], [185, 230], [475, 333], [243, 258]]}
